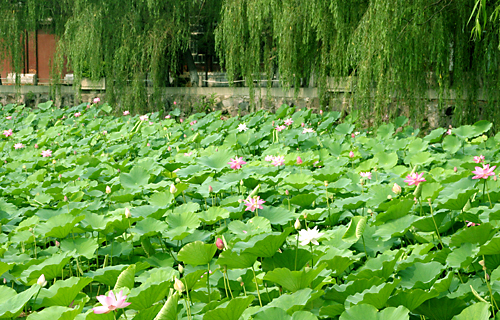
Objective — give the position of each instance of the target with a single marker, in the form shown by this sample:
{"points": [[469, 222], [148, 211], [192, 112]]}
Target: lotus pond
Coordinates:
{"points": [[286, 215]]}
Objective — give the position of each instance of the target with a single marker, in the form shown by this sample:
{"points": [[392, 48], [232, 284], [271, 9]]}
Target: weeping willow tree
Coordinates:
{"points": [[393, 52], [128, 42]]}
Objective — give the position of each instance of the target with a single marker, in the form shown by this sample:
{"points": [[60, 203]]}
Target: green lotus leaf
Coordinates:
{"points": [[85, 247], [355, 229], [451, 144], [344, 128], [50, 267], [186, 219], [161, 199], [292, 302], [62, 292], [376, 295], [197, 253], [137, 178], [149, 227], [231, 310], [421, 275], [145, 295], [254, 226], [441, 308], [492, 247], [411, 299], [233, 260], [213, 215], [292, 259], [58, 226], [477, 234], [263, 245], [477, 311], [304, 200], [462, 256], [367, 311], [395, 228], [12, 306], [126, 278], [293, 280], [216, 161], [107, 275], [169, 310], [272, 313]]}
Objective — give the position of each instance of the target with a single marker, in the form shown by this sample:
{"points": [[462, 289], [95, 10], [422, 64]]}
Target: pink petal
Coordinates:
{"points": [[101, 310]]}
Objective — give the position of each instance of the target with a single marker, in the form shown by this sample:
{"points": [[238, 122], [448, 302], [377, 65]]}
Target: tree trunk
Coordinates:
{"points": [[193, 73]]}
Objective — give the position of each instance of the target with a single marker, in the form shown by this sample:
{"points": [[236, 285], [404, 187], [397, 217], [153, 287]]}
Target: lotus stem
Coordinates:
{"points": [[208, 282], [257, 286], [435, 224]]}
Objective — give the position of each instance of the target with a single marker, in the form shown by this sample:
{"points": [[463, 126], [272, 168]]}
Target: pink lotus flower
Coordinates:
{"points": [[126, 113], [302, 124], [8, 117], [353, 135], [175, 103], [219, 243], [144, 117], [307, 130], [167, 116], [18, 146], [97, 100], [366, 175], [181, 121], [47, 153], [472, 224], [320, 112], [288, 121], [148, 144], [254, 203], [105, 132], [7, 133], [484, 172], [299, 160], [414, 179], [269, 158], [236, 163], [77, 114], [192, 123], [187, 154], [36, 146], [278, 161], [280, 128], [448, 132], [479, 159], [111, 303], [351, 154]]}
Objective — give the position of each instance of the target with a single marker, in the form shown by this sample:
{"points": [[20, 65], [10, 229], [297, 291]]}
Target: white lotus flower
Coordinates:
{"points": [[309, 235], [242, 127]]}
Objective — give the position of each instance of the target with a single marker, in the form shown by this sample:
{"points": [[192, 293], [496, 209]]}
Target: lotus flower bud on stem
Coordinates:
{"points": [[66, 199], [299, 160], [351, 154], [180, 268], [173, 189], [41, 281], [396, 188], [179, 286], [108, 189], [297, 224], [127, 213], [210, 189], [177, 180], [219, 243]]}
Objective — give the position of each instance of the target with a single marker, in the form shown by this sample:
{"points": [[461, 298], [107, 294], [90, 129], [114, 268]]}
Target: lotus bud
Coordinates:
{"points": [[351, 154], [41, 281], [180, 268], [148, 144], [127, 213], [297, 224], [177, 180], [494, 178], [302, 124], [210, 189], [108, 189], [58, 243], [60, 176], [36, 146], [66, 199], [181, 120], [30, 230], [241, 182], [287, 192], [219, 243], [24, 167], [299, 160], [54, 161], [455, 169], [396, 188], [169, 148], [4, 280], [178, 285], [389, 197], [326, 183], [173, 189], [321, 112], [482, 263]]}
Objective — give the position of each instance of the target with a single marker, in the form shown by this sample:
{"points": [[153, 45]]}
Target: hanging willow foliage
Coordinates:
{"points": [[393, 52], [125, 41]]}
